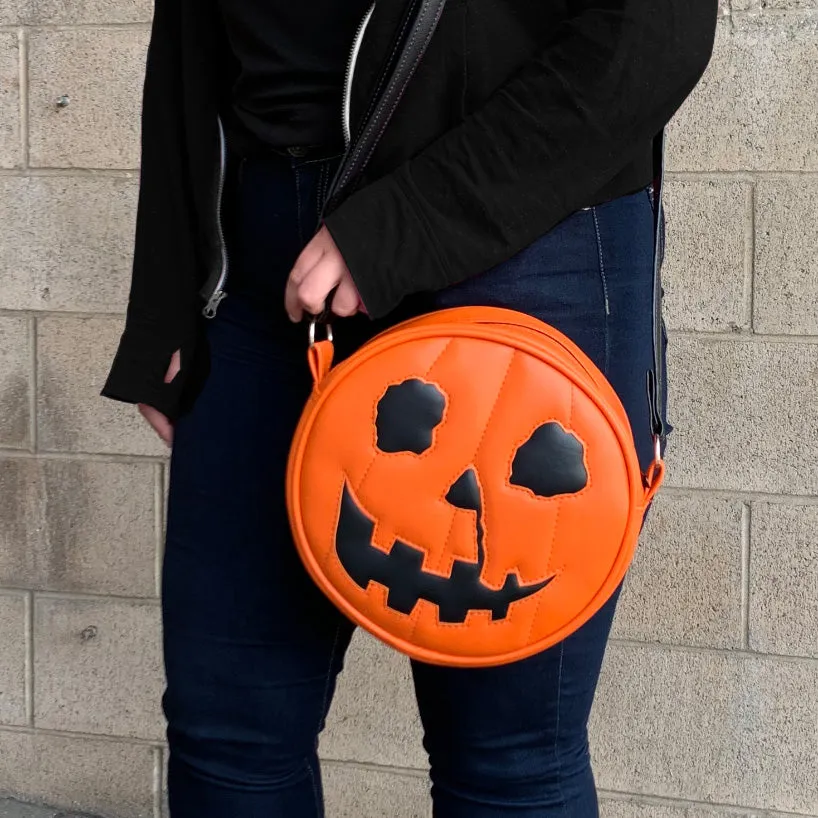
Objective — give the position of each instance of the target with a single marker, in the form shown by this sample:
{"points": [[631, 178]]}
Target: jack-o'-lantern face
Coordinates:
{"points": [[462, 514], [549, 463]]}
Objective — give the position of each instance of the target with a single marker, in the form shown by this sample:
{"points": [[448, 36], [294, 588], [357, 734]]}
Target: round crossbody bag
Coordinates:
{"points": [[466, 486]]}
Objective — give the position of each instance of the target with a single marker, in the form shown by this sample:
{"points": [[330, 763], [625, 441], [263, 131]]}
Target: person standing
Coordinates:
{"points": [[298, 157]]}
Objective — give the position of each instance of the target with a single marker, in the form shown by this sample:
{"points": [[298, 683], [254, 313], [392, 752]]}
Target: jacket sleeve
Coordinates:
{"points": [[163, 305], [607, 81]]}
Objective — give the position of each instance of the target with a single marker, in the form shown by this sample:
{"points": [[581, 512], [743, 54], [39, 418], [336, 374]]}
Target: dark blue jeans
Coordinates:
{"points": [[252, 648]]}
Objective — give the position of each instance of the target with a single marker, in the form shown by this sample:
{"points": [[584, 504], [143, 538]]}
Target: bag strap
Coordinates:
{"points": [[656, 386], [415, 44]]}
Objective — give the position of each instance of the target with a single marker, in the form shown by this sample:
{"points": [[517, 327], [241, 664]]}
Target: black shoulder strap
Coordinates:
{"points": [[415, 42], [656, 386]]}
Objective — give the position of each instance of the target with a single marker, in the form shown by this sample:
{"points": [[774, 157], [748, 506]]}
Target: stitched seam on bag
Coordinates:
{"points": [[482, 499], [377, 452]]}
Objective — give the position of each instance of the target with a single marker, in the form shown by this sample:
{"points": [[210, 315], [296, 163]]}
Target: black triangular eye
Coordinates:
{"points": [[550, 462], [407, 416]]}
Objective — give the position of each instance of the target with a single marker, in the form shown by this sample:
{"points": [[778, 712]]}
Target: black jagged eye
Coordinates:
{"points": [[550, 462], [407, 416]]}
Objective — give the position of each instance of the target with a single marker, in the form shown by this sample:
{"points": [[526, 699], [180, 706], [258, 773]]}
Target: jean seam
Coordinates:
{"points": [[323, 713], [604, 279], [298, 205], [563, 803], [319, 806], [329, 673], [323, 185], [319, 188]]}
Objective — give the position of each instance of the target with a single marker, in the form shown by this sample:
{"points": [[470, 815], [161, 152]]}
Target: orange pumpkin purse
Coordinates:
{"points": [[449, 517], [466, 485]]}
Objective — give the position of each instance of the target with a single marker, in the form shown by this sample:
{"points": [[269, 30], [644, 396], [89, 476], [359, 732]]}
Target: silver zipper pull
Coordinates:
{"points": [[213, 304]]}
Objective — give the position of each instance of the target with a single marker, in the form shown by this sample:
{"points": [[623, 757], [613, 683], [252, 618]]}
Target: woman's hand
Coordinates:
{"points": [[318, 270], [161, 425]]}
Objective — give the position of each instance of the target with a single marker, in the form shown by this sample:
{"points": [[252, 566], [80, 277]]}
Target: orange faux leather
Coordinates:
{"points": [[466, 486]]}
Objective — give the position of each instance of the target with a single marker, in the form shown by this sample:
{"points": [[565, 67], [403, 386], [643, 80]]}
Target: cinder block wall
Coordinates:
{"points": [[709, 703]]}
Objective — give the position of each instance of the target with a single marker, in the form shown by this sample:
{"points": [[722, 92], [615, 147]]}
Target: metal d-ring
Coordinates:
{"points": [[314, 322]]}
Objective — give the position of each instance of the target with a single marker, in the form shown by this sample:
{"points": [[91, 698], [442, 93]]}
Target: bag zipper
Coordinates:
{"points": [[218, 294]]}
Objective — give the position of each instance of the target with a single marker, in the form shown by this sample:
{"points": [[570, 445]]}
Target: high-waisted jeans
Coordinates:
{"points": [[252, 648]]}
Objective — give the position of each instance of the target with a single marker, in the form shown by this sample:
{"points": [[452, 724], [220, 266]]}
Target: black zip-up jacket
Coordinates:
{"points": [[519, 113]]}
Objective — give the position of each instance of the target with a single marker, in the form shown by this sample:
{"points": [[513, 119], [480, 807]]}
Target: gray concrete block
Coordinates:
{"points": [[786, 264], [98, 667], [739, 408], [705, 265], [752, 109], [685, 582], [11, 146], [101, 71], [15, 382], [13, 628], [363, 792], [706, 726], [78, 526], [75, 356], [66, 243], [784, 579], [78, 12], [374, 715], [104, 777]]}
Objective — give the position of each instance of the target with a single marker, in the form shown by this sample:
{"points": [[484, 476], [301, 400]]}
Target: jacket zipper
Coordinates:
{"points": [[353, 59], [218, 295]]}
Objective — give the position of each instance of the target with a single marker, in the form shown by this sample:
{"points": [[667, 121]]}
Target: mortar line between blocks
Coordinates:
{"points": [[730, 809], [86, 457], [739, 495], [407, 772], [743, 337], [157, 782], [32, 391], [750, 256], [69, 27], [79, 735], [70, 173], [89, 596], [158, 518], [738, 653], [29, 660], [739, 175], [22, 47], [746, 523]]}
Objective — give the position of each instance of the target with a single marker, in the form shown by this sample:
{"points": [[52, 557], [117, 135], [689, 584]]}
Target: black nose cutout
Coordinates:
{"points": [[407, 416], [465, 492], [550, 462]]}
